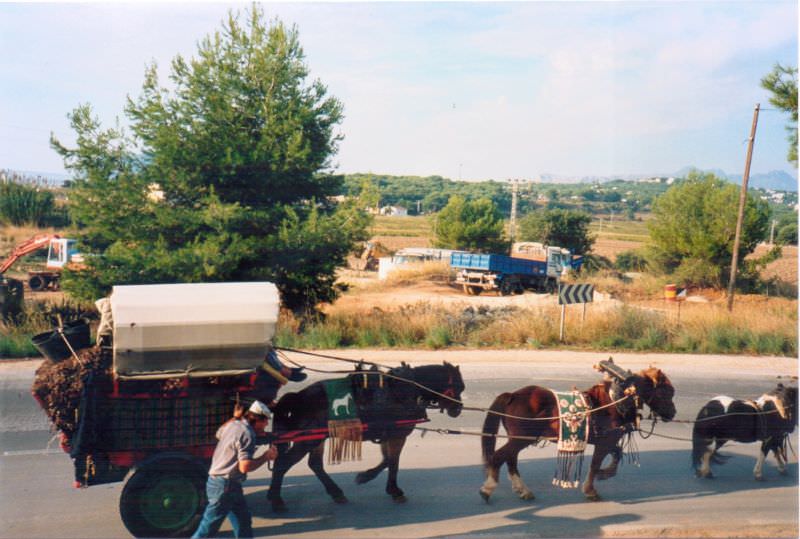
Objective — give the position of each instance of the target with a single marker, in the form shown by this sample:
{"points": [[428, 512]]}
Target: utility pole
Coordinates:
{"points": [[742, 201]]}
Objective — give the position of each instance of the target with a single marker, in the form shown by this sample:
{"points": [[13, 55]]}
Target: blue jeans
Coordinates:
{"points": [[225, 499]]}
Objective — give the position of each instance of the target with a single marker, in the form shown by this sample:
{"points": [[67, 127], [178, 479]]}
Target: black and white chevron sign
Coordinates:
{"points": [[575, 293]]}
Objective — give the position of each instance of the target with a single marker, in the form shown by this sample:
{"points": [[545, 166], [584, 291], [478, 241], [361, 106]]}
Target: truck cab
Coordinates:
{"points": [[559, 260]]}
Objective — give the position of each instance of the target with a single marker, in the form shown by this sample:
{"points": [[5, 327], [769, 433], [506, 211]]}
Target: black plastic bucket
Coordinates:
{"points": [[52, 346]]}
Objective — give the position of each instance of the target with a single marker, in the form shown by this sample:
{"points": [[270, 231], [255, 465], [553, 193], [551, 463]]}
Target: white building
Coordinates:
{"points": [[394, 211]]}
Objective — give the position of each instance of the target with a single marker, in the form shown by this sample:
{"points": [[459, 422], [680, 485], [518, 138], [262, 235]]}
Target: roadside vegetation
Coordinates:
{"points": [[766, 327]]}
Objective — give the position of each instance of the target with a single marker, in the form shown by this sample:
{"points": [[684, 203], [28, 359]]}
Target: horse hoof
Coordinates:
{"points": [[341, 499], [783, 472], [279, 507], [527, 496], [592, 496], [759, 477], [361, 478], [399, 499], [484, 495]]}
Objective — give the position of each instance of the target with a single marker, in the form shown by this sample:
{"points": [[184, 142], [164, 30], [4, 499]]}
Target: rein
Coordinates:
{"points": [[355, 361], [449, 397], [433, 391]]}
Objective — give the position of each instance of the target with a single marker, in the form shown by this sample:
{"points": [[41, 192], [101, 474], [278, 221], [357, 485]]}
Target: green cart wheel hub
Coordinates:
{"points": [[170, 502]]}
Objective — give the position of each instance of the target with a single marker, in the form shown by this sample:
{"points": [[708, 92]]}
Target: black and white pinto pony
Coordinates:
{"points": [[769, 420], [384, 406]]}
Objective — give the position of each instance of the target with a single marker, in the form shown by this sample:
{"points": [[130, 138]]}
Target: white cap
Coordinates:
{"points": [[259, 408]]}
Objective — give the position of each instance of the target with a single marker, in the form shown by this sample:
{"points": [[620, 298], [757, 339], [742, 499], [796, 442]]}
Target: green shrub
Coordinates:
{"points": [[631, 261], [438, 337], [787, 234], [22, 205], [654, 338], [725, 339], [697, 272], [17, 345]]}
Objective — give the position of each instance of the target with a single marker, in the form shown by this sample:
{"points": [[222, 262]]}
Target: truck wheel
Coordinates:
{"points": [[505, 288], [476, 290], [37, 283], [164, 499]]}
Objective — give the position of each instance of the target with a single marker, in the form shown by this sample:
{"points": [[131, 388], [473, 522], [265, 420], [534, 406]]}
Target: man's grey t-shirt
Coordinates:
{"points": [[237, 441]]}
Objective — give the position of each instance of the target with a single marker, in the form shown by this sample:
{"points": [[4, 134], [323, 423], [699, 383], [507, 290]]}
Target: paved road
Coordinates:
{"points": [[441, 474]]}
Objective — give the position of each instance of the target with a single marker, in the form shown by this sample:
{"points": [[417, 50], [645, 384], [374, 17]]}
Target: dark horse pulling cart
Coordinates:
{"points": [[388, 405]]}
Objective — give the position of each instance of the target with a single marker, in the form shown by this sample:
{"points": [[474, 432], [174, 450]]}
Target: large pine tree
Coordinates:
{"points": [[223, 176]]}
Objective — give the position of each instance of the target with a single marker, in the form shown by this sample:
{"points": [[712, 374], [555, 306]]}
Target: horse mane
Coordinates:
{"points": [[656, 376]]}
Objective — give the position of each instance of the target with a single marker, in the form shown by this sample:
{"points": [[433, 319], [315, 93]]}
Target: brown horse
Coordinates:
{"points": [[531, 414], [388, 408]]}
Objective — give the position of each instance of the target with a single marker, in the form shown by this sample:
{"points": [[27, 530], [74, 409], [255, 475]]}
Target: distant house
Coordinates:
{"points": [[394, 211]]}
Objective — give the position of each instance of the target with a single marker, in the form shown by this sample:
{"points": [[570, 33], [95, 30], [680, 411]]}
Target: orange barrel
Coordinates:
{"points": [[670, 292]]}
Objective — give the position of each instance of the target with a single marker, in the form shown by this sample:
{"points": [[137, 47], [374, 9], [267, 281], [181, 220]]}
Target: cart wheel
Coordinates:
{"points": [[164, 499], [36, 283]]}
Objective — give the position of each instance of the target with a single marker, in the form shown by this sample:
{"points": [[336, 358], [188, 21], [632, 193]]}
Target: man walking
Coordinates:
{"points": [[233, 459]]}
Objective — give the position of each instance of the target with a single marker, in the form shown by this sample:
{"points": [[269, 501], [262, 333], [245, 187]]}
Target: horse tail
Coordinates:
{"points": [[491, 425]]}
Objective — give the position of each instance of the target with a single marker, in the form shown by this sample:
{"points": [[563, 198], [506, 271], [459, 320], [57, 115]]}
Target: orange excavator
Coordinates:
{"points": [[61, 252]]}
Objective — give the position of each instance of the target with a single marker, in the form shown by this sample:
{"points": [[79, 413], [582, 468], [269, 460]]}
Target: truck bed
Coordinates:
{"points": [[497, 263]]}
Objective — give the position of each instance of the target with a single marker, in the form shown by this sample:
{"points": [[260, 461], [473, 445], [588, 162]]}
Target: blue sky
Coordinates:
{"points": [[463, 90]]}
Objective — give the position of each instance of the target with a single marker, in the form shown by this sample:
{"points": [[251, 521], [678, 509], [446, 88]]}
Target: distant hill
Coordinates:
{"points": [[778, 180]]}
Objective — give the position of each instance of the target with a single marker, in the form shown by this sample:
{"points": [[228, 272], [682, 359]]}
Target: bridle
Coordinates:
{"points": [[447, 394]]}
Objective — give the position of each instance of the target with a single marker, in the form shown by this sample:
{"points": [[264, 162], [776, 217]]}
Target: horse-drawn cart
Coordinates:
{"points": [[178, 359]]}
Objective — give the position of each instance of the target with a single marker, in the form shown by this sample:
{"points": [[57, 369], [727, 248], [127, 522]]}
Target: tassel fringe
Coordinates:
{"points": [[344, 442], [569, 469], [630, 449]]}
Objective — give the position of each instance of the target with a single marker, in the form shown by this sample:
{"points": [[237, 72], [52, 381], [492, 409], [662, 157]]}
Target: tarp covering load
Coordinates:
{"points": [[200, 329]]}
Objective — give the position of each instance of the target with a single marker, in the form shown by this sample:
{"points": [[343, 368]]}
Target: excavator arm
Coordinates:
{"points": [[26, 247]]}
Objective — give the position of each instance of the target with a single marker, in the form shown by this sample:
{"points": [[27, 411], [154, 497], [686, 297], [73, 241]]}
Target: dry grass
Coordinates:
{"points": [[394, 313]]}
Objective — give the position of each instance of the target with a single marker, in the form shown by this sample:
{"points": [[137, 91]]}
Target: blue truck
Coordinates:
{"points": [[512, 275]]}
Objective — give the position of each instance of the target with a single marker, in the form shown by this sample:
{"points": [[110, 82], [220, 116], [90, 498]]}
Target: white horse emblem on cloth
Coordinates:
{"points": [[343, 402]]}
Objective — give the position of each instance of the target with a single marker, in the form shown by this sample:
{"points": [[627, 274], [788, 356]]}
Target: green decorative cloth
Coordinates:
{"points": [[573, 433], [341, 404], [344, 427]]}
